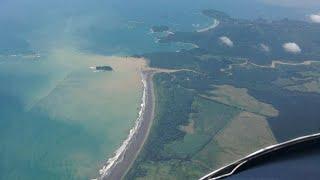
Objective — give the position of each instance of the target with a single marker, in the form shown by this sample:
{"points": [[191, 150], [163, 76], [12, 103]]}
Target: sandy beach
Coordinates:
{"points": [[125, 156], [134, 146]]}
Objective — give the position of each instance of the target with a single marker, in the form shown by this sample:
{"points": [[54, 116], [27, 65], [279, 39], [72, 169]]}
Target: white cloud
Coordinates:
{"points": [[264, 47], [292, 47], [315, 18], [226, 41]]}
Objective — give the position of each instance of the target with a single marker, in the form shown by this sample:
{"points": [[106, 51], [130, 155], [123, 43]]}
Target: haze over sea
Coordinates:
{"points": [[59, 119]]}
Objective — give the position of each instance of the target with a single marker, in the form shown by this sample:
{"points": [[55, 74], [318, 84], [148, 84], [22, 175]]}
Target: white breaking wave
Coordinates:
{"points": [[196, 25], [214, 25], [157, 40], [94, 68], [170, 33], [105, 170]]}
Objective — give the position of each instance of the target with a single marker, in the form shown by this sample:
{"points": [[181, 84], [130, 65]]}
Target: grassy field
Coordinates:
{"points": [[306, 79], [231, 102], [239, 98], [213, 133]]}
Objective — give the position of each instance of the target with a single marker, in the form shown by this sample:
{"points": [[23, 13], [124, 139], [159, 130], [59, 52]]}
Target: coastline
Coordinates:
{"points": [[212, 26], [124, 157]]}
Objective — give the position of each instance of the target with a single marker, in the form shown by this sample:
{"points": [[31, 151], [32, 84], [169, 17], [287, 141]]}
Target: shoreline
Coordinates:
{"points": [[212, 26], [117, 166]]}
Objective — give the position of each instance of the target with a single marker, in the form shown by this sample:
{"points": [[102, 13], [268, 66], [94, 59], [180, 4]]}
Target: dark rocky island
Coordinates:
{"points": [[159, 29], [104, 68]]}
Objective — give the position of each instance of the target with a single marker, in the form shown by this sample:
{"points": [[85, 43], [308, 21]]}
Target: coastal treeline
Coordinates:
{"points": [[196, 121]]}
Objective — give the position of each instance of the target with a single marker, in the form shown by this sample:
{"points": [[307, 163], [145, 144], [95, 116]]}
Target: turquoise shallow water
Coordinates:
{"points": [[60, 121], [29, 140], [37, 139]]}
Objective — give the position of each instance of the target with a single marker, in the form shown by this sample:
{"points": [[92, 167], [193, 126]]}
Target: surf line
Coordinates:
{"points": [[118, 154], [212, 26]]}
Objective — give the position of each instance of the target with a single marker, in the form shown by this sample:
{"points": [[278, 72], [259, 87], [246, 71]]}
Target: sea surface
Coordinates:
{"points": [[58, 118]]}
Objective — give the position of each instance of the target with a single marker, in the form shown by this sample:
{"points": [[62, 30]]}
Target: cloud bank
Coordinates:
{"points": [[226, 41], [315, 18], [292, 47]]}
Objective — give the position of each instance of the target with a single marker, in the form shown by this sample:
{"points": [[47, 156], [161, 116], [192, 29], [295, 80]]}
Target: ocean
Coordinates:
{"points": [[61, 120]]}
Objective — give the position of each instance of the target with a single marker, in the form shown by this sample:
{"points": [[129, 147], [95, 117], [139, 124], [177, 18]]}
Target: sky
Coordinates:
{"points": [[295, 3]]}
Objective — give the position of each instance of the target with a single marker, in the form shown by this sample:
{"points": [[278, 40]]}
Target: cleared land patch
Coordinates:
{"points": [[312, 86], [239, 97], [304, 81], [246, 133], [216, 132], [207, 119]]}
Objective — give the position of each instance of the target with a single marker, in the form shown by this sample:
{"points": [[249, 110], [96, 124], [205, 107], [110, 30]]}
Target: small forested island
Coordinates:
{"points": [[159, 29], [104, 68]]}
